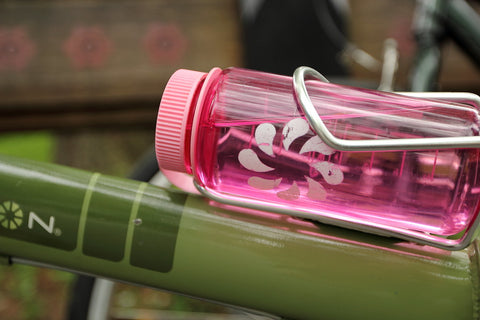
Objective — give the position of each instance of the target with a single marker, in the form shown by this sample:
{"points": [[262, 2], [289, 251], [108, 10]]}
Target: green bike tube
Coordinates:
{"points": [[135, 232]]}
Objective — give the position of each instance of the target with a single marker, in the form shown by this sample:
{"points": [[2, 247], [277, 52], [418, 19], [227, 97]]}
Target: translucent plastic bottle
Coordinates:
{"points": [[242, 136]]}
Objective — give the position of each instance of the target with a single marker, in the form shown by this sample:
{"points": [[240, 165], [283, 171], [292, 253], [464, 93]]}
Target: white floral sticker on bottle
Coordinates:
{"points": [[264, 136]]}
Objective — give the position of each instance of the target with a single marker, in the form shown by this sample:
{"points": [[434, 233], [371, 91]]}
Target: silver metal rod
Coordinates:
{"points": [[301, 94]]}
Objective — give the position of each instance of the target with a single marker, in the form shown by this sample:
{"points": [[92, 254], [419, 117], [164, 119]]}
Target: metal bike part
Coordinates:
{"points": [[303, 99], [221, 254], [389, 66], [100, 300]]}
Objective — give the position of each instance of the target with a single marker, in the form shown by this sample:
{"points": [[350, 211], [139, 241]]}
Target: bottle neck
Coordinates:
{"points": [[193, 107], [202, 103]]}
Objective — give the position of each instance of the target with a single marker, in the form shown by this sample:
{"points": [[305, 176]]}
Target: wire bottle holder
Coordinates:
{"points": [[302, 74]]}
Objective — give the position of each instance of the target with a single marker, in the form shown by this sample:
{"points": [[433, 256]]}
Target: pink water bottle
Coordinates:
{"points": [[248, 138]]}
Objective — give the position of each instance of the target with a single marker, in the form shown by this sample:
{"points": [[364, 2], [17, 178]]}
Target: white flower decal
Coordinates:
{"points": [[264, 136]]}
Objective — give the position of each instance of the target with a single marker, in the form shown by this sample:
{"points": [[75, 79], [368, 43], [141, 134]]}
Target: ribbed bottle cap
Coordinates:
{"points": [[177, 100]]}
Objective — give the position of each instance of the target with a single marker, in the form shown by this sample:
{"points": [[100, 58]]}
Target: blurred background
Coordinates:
{"points": [[80, 84]]}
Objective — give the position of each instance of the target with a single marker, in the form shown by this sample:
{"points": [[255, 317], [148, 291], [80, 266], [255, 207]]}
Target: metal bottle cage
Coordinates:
{"points": [[300, 75], [303, 99]]}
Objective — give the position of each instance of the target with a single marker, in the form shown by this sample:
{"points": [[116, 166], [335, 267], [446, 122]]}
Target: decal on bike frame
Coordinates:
{"points": [[140, 227]]}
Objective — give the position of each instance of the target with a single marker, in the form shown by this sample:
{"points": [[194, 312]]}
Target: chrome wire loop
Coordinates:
{"points": [[302, 74]]}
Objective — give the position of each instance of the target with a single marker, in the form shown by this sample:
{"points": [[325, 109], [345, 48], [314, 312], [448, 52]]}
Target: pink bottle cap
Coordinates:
{"points": [[177, 101]]}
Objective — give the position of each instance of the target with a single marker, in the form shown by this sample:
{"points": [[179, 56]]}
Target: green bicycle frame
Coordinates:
{"points": [[134, 232], [435, 19]]}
